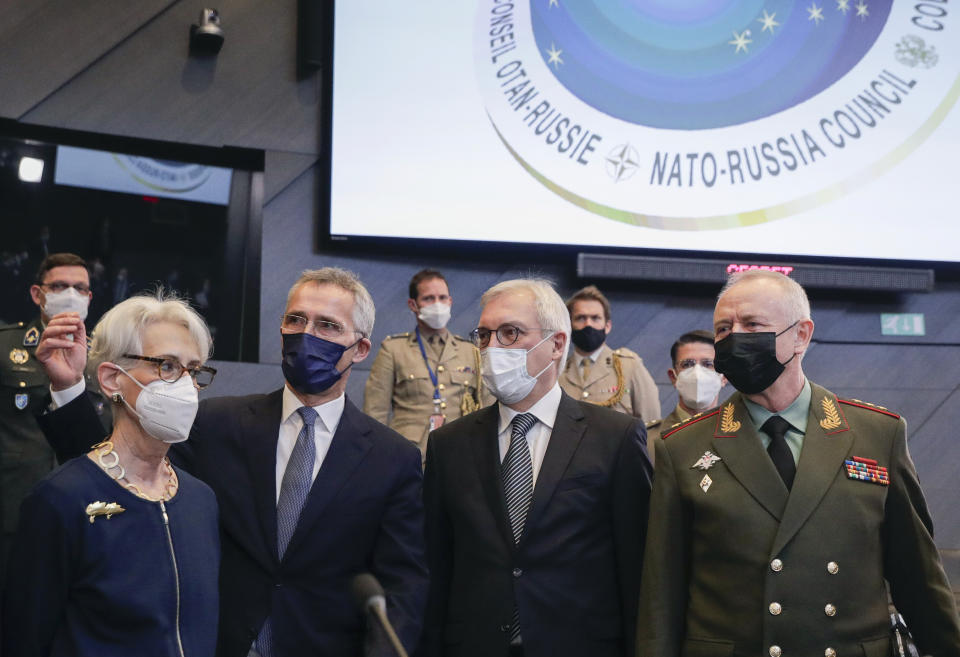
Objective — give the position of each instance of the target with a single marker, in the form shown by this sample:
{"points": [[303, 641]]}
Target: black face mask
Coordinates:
{"points": [[749, 360], [588, 339]]}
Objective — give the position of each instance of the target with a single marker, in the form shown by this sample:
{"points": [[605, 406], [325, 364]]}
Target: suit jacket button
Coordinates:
{"points": [[833, 568], [830, 610], [775, 608], [504, 628], [776, 565], [829, 652], [775, 651], [517, 572]]}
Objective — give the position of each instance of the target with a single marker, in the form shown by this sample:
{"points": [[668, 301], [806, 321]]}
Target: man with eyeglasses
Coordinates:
{"points": [[423, 377], [698, 384], [536, 505], [311, 491], [615, 378], [62, 285]]}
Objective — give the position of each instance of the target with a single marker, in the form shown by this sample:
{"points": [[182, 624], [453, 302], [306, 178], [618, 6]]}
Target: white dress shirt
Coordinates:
{"points": [[545, 410], [290, 424]]}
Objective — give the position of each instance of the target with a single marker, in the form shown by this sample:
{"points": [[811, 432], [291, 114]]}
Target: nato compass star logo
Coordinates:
{"points": [[622, 162]]}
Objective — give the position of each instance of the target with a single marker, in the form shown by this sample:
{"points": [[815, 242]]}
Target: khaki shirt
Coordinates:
{"points": [[641, 397], [399, 391]]}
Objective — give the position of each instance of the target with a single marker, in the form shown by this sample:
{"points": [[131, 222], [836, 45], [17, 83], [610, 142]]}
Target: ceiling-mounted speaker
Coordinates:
{"points": [[314, 32]]}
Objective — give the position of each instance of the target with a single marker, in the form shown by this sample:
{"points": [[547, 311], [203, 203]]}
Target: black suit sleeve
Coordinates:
{"points": [[918, 584], [398, 559], [439, 549], [631, 504], [73, 428]]}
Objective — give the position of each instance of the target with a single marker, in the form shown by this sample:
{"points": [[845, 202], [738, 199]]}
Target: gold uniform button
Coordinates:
{"points": [[830, 610], [776, 565], [439, 368], [775, 608], [775, 651], [440, 387], [443, 404], [23, 384], [411, 376], [586, 394], [833, 568], [829, 652]]}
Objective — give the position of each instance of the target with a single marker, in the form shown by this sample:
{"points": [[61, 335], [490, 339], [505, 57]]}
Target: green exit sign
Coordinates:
{"points": [[902, 324]]}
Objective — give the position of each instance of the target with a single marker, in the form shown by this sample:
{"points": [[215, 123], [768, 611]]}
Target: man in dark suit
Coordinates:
{"points": [[311, 491], [537, 505], [783, 514]]}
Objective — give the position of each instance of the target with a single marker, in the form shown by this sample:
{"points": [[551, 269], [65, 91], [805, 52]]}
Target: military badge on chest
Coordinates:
{"points": [[20, 400], [867, 470], [705, 462]]}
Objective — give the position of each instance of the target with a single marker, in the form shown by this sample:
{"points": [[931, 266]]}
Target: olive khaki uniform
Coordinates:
{"points": [[25, 456], [399, 391], [640, 396], [737, 565]]}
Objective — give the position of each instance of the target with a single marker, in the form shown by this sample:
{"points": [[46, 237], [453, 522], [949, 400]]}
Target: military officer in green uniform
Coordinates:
{"points": [[62, 285], [693, 375], [615, 378], [422, 378], [783, 513]]}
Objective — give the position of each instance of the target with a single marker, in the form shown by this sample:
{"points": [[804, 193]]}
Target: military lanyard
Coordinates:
{"points": [[433, 375]]}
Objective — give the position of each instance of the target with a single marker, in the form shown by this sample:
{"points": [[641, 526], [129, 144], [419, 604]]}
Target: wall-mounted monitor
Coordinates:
{"points": [[143, 214], [799, 129]]}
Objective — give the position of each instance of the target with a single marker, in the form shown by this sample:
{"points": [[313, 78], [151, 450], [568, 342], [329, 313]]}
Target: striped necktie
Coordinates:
{"points": [[517, 473]]}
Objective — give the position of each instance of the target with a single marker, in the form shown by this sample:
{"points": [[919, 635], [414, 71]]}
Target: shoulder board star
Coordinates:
{"points": [[690, 421], [654, 423], [9, 327], [398, 335], [867, 405]]}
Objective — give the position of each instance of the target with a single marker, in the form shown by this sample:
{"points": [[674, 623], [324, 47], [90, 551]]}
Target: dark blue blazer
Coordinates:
{"points": [[575, 574], [364, 513]]}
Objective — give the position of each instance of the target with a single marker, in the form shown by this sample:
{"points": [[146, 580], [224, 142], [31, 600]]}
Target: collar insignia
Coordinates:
{"points": [[707, 461], [727, 423], [831, 418]]}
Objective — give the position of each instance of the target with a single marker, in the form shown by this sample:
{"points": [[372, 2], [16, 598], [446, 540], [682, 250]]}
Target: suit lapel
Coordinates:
{"points": [[568, 430], [739, 446], [827, 441], [486, 454], [349, 445], [260, 429]]}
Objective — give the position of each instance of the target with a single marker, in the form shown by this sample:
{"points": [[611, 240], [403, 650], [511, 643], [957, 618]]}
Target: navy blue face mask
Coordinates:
{"points": [[310, 363]]}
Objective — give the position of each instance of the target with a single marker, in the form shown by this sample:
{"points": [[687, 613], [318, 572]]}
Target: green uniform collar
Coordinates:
{"points": [[796, 414]]}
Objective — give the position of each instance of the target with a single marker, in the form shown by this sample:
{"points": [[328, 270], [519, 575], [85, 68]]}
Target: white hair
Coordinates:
{"points": [[364, 312], [551, 311], [794, 297], [120, 330]]}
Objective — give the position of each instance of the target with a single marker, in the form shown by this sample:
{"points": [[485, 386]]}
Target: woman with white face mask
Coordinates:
{"points": [[117, 551]]}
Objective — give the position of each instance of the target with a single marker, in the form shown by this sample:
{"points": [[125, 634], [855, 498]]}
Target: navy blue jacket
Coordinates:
{"points": [[116, 586], [364, 513]]}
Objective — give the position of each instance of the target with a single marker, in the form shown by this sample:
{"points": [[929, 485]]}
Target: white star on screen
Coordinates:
{"points": [[740, 41], [554, 56], [815, 13], [862, 10], [768, 21]]}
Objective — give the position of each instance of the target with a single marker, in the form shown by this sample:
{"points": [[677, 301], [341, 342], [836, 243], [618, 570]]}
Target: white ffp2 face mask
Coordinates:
{"points": [[166, 410], [68, 301], [505, 372], [698, 387], [436, 315]]}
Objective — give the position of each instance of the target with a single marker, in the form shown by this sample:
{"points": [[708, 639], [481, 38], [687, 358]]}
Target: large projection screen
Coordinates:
{"points": [[824, 128]]}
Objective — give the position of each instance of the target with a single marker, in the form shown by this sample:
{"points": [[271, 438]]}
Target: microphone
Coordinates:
{"points": [[369, 596]]}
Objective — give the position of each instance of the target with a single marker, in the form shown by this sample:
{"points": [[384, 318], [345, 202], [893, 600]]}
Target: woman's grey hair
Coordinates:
{"points": [[364, 312], [794, 298], [551, 311], [120, 330]]}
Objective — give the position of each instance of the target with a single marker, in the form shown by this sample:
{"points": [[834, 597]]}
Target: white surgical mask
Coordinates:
{"points": [[68, 301], [166, 410], [505, 372], [698, 387], [436, 315]]}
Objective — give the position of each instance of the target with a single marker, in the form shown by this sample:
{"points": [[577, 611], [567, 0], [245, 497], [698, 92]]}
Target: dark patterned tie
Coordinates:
{"points": [[776, 427], [297, 479], [517, 472]]}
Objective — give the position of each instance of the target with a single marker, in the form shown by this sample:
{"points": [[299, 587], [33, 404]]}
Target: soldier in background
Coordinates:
{"points": [[424, 377], [62, 285], [693, 375], [615, 378]]}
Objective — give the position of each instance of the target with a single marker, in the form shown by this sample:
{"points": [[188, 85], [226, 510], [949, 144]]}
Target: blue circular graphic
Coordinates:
{"points": [[702, 64]]}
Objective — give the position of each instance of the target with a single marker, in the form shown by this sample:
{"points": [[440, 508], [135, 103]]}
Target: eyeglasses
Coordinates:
{"points": [[322, 327], [170, 370], [706, 363], [506, 335], [60, 286]]}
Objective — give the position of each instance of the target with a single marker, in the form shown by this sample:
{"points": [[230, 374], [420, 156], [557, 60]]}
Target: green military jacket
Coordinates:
{"points": [[25, 456], [640, 397], [736, 565], [399, 391]]}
